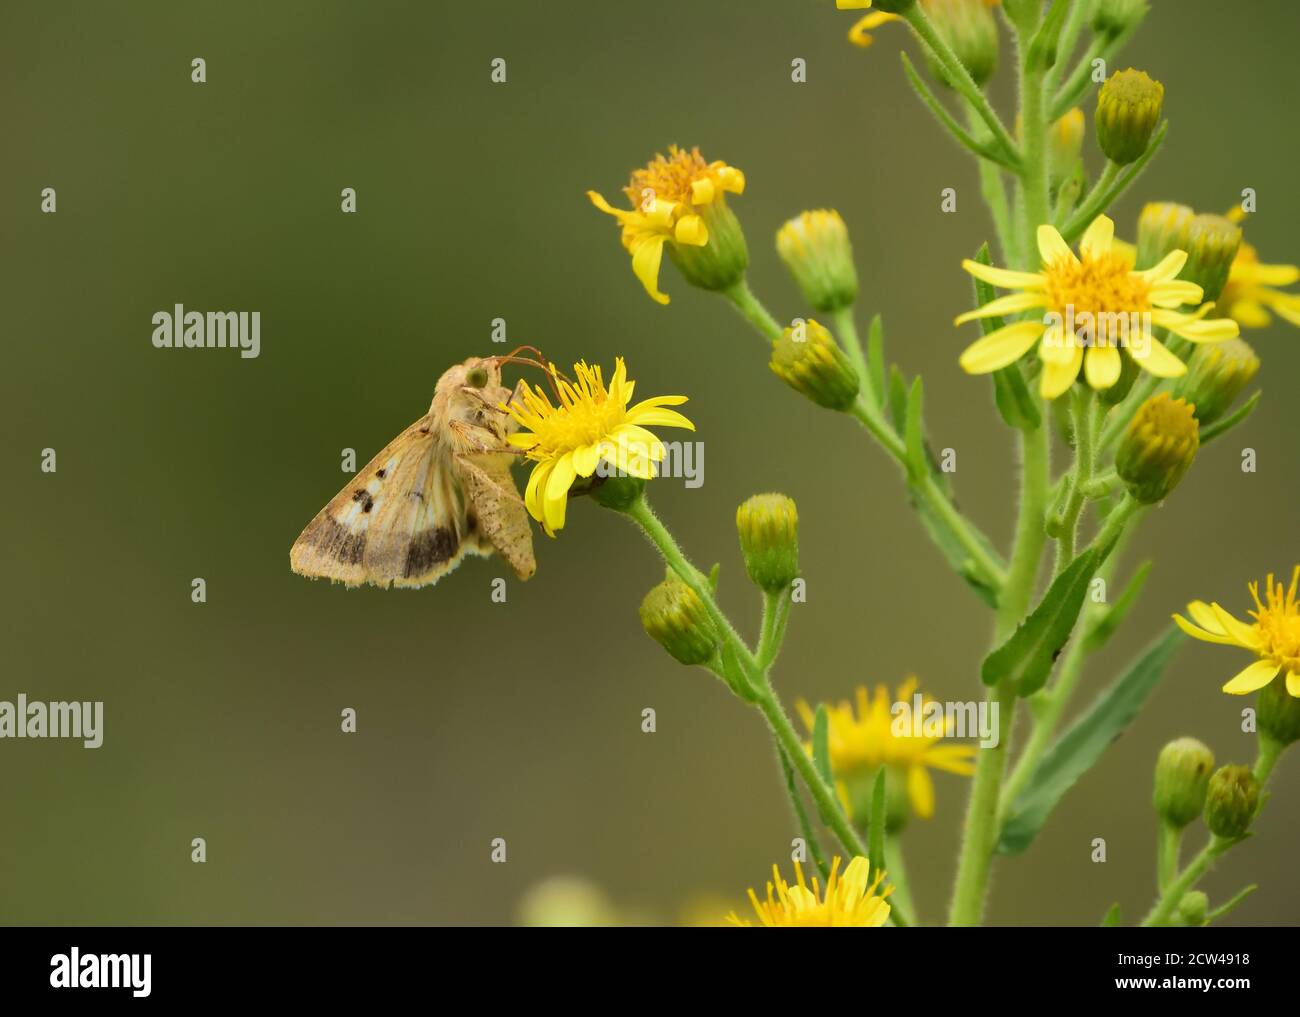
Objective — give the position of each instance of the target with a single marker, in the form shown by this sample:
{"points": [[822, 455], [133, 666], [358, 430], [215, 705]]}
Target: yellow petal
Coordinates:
{"points": [[1244, 634], [1098, 237], [621, 214], [1009, 304], [1169, 267], [1102, 366], [533, 494], [1204, 616], [1151, 355], [1052, 246], [998, 349], [690, 229], [702, 191], [1059, 376], [1274, 275], [920, 789], [1250, 313], [1293, 683], [556, 498], [1253, 676], [1005, 278], [659, 417], [730, 179], [1199, 633], [1175, 293], [645, 264], [585, 459], [1211, 330]]}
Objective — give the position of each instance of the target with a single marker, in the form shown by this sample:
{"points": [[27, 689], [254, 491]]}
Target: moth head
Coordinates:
{"points": [[476, 373]]}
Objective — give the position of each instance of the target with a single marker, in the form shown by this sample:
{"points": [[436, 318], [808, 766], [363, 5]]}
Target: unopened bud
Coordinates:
{"points": [[1182, 775], [1128, 110], [1157, 448]]}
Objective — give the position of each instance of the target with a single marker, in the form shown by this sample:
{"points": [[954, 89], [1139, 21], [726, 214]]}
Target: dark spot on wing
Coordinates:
{"points": [[381, 473], [427, 549], [363, 496], [338, 543]]}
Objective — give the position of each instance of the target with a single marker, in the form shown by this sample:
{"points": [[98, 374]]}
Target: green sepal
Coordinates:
{"points": [[1079, 748]]}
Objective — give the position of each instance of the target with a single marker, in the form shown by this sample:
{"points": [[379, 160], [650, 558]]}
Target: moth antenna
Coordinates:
{"points": [[550, 371]]}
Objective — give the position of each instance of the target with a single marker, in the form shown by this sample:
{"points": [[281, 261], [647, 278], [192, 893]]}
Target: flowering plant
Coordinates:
{"points": [[1128, 352]]}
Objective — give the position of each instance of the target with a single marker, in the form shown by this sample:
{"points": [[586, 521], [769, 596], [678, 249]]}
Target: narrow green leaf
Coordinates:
{"points": [[1226, 424], [1079, 748], [1026, 658], [1113, 616], [897, 398], [876, 357], [918, 463], [1112, 918], [876, 831], [805, 827], [1232, 905], [956, 555], [713, 576], [1042, 48]]}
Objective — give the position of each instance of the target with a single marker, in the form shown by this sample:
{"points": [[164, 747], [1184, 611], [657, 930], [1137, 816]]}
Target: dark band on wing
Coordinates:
{"points": [[333, 540], [427, 549]]}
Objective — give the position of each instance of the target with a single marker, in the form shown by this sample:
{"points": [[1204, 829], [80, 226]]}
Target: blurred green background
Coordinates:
{"points": [[480, 720]]}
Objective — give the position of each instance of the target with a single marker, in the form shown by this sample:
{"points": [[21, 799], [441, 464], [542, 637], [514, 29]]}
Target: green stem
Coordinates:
{"points": [[959, 77], [1079, 10], [1034, 160], [776, 612], [983, 152], [897, 876], [876, 426], [1083, 408], [801, 814], [1168, 838], [752, 310], [846, 329], [995, 197], [1076, 85], [1110, 185]]}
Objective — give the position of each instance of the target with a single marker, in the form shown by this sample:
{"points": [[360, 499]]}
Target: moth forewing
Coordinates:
{"points": [[439, 490]]}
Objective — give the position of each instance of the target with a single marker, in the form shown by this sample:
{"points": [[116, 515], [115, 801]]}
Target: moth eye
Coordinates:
{"points": [[477, 378]]}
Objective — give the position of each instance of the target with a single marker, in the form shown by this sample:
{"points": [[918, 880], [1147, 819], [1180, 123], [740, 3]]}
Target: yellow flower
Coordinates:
{"points": [[591, 424], [861, 742], [1249, 294], [1096, 303], [851, 900], [1274, 637], [671, 199]]}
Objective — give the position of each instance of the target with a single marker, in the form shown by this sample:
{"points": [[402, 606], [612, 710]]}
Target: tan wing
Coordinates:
{"points": [[498, 512], [401, 521]]}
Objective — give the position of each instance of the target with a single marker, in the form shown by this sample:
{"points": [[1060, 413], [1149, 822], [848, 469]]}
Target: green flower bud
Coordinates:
{"points": [[1128, 110], [720, 263], [1212, 244], [617, 492], [1162, 227], [1278, 713], [1112, 18], [968, 27], [768, 525], [1182, 775], [861, 784], [676, 619], [815, 248], [807, 358], [1064, 145], [1216, 374], [1157, 448], [1231, 802], [1193, 908]]}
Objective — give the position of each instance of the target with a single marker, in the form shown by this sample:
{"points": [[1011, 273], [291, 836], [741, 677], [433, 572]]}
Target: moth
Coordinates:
{"points": [[438, 491]]}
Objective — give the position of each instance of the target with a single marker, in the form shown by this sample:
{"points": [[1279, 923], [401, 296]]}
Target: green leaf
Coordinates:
{"points": [[1231, 906], [1219, 427], [918, 464], [1026, 658], [1112, 918], [876, 357], [1079, 748], [1112, 617], [897, 398], [957, 555], [1042, 48], [876, 831]]}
